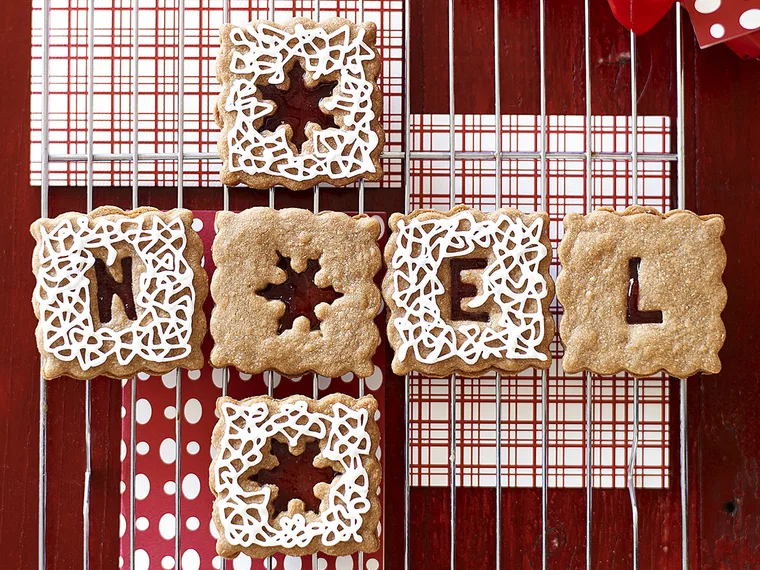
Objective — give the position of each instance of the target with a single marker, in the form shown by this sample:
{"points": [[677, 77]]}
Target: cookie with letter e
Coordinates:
{"points": [[294, 292], [119, 293], [468, 292], [296, 476], [300, 104], [642, 292]]}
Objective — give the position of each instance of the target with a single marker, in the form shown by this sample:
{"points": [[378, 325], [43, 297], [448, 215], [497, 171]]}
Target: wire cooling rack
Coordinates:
{"points": [[408, 159]]}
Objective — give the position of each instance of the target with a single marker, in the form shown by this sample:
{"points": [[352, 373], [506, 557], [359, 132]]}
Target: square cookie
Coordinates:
{"points": [[469, 292], [296, 476], [642, 292], [294, 292], [119, 293], [299, 104]]}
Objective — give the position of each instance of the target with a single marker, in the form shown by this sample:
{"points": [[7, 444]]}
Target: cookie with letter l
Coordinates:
{"points": [[642, 292]]}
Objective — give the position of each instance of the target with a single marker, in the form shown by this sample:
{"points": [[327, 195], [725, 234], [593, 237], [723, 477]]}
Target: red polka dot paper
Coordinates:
{"points": [[156, 454]]}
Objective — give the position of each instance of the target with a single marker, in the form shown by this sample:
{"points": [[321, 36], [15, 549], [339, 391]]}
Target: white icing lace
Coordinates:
{"points": [[243, 514], [165, 301], [337, 153], [422, 246]]}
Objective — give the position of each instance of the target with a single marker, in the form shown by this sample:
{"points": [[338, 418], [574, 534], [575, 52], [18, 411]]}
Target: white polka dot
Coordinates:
{"points": [[213, 452], [242, 562], [273, 563], [275, 379], [372, 564], [203, 261], [377, 415], [142, 486], [374, 380], [170, 487], [344, 563], [122, 487], [143, 448], [144, 411], [212, 529], [191, 560], [122, 525], [167, 562], [142, 560], [192, 523], [750, 20], [321, 564], [347, 377], [193, 410], [170, 412], [123, 412], [296, 379], [382, 223], [244, 376], [168, 451], [169, 379], [142, 523], [292, 563], [143, 375], [378, 454], [379, 311], [717, 31], [379, 525], [191, 486], [706, 6], [324, 383], [216, 562], [121, 561], [193, 448], [197, 224], [166, 526], [123, 450], [217, 375]]}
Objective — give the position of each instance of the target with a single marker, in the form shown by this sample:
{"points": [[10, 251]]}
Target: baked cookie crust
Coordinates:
{"points": [[680, 275], [513, 292], [168, 288], [263, 53], [349, 511], [257, 249]]}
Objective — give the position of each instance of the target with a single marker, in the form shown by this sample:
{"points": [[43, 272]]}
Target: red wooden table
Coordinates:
{"points": [[722, 175]]}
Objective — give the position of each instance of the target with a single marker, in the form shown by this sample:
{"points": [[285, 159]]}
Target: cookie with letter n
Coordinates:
{"points": [[468, 292], [119, 293], [294, 292], [642, 292]]}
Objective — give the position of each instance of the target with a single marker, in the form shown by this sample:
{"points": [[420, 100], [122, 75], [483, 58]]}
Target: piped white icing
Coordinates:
{"points": [[264, 51], [165, 300], [423, 245], [243, 514]]}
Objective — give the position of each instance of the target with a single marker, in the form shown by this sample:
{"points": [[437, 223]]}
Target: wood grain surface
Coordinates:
{"points": [[723, 176]]}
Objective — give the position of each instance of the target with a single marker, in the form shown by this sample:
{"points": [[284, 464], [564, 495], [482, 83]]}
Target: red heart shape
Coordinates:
{"points": [[640, 16]]}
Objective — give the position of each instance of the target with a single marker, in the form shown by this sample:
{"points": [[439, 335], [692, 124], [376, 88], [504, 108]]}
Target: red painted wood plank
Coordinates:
{"points": [[725, 149]]}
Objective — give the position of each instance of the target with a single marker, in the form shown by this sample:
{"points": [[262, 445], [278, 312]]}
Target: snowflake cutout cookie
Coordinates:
{"points": [[262, 55], [642, 292], [119, 293], [469, 292], [295, 292], [349, 509]]}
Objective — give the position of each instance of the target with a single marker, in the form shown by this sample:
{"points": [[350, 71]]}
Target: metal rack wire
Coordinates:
{"points": [[406, 157]]}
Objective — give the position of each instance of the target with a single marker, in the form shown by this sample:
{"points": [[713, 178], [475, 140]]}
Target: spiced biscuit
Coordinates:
{"points": [[275, 128], [642, 292], [118, 293], [346, 510], [468, 292], [294, 292]]}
